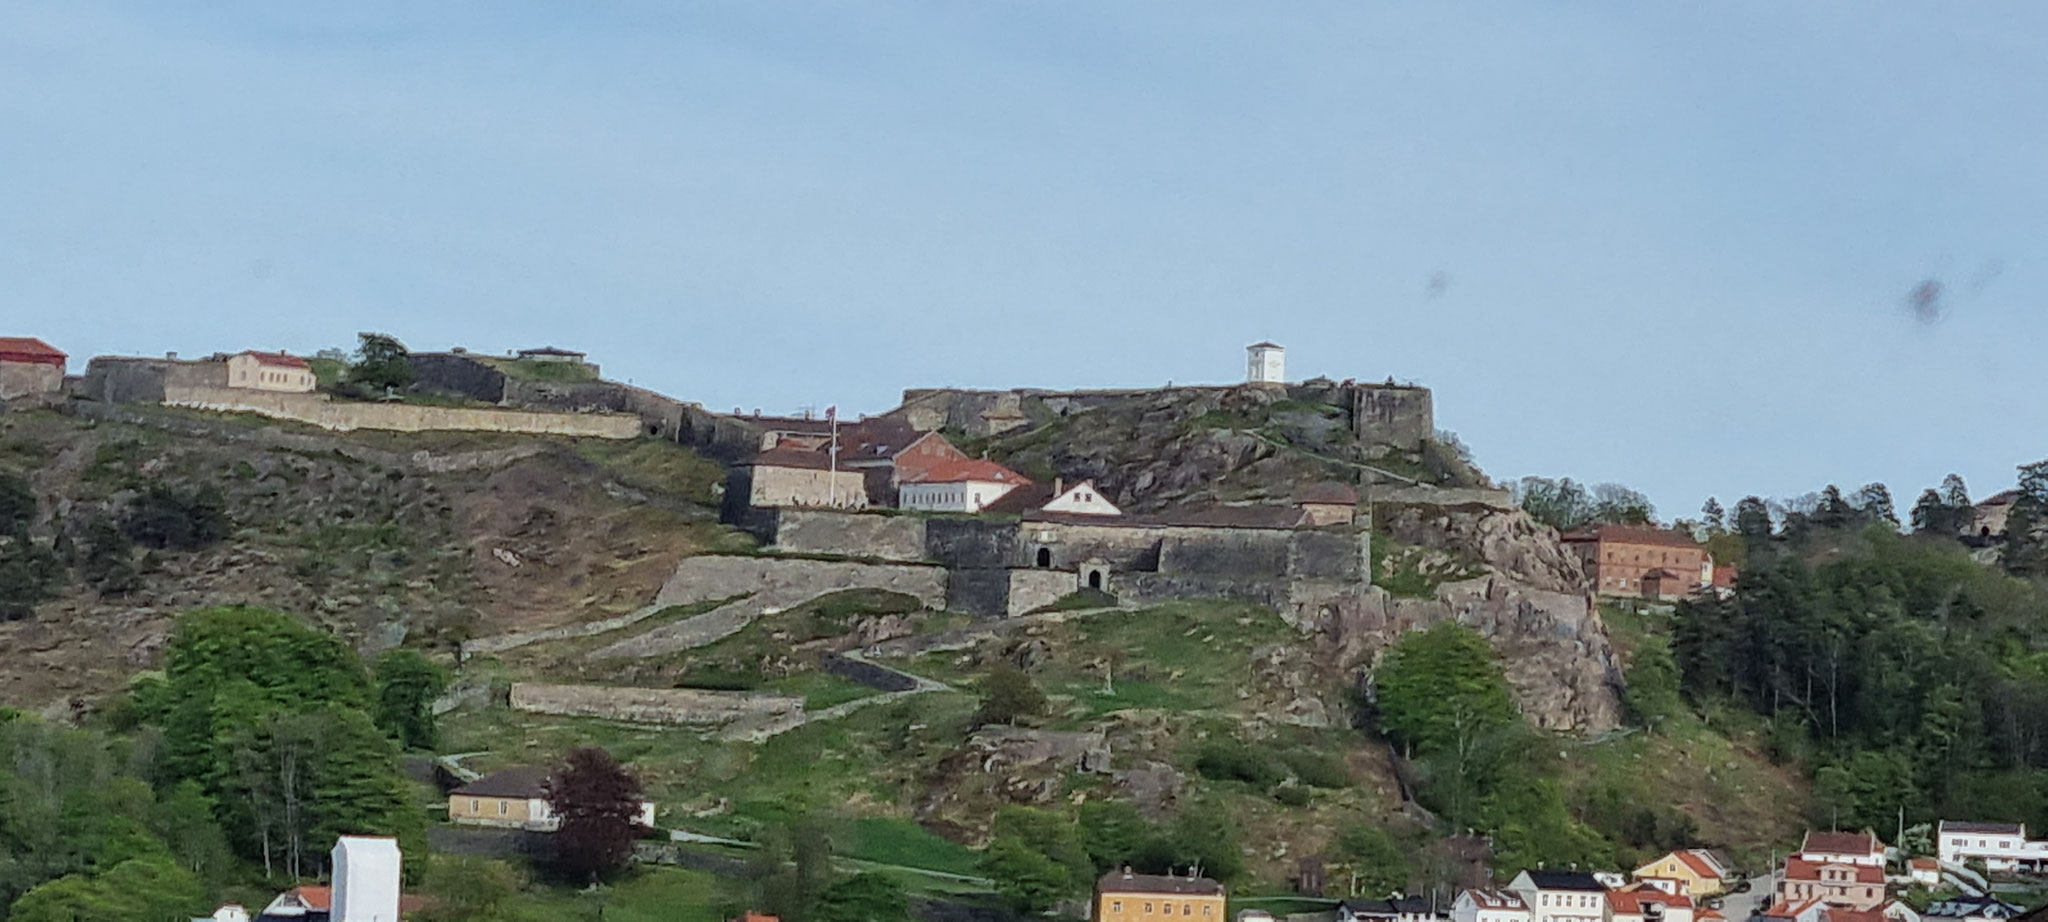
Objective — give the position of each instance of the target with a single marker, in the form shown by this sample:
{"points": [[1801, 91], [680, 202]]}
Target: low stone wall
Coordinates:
{"points": [[672, 706], [879, 678], [226, 431], [889, 537], [766, 582], [1442, 496], [1034, 589], [341, 416]]}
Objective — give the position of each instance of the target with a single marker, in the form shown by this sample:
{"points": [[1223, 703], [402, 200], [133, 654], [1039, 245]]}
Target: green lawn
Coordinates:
{"points": [[651, 894], [890, 840]]}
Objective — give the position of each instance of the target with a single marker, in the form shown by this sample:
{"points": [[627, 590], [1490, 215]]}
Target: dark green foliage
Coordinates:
{"points": [[17, 504], [381, 363], [1380, 864], [407, 684], [1317, 769], [1652, 694], [468, 890], [789, 871], [1565, 504], [105, 557], [1713, 516], [1007, 695], [598, 801], [1113, 832], [151, 888], [30, 574], [1439, 690], [1035, 857], [1226, 759], [1901, 669], [1293, 795], [296, 780], [863, 898], [181, 518]]}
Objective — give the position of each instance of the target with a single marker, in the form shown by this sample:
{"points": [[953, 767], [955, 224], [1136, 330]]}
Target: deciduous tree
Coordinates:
{"points": [[597, 800]]}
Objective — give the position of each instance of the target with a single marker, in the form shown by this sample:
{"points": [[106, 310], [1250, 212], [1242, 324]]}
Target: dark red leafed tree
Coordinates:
{"points": [[597, 800]]}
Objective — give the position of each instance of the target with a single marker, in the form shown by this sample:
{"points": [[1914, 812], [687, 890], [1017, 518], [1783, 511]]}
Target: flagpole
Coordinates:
{"points": [[832, 471]]}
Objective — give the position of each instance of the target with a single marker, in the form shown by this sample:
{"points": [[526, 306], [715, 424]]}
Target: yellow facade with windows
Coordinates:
{"points": [[1125, 897]]}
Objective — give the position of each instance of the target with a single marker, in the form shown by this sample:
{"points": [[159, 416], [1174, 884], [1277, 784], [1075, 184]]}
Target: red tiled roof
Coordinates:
{"points": [[276, 359], [1845, 914], [1631, 534], [961, 470], [1631, 901], [1119, 882], [1842, 843], [1786, 909], [1928, 863], [318, 899], [28, 347], [1700, 864], [1661, 573], [1801, 869]]}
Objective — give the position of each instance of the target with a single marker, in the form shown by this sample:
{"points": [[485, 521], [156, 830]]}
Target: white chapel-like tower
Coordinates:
{"points": [[1265, 363]]}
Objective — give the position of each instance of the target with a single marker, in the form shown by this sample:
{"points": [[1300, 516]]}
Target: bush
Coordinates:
{"points": [[1008, 694], [1230, 760], [1293, 795], [1317, 769], [185, 518]]}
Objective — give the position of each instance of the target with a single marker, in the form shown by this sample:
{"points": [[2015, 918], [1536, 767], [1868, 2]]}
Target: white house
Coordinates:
{"points": [[1489, 906], [959, 485], [1265, 363], [365, 879], [271, 371], [1644, 903], [2003, 847], [1561, 896], [1924, 871], [1080, 499]]}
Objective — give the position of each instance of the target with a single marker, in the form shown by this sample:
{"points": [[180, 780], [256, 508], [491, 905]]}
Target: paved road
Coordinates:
{"points": [[1740, 906]]}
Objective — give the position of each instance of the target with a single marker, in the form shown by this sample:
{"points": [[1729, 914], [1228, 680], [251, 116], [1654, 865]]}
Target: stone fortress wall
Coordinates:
{"points": [[1398, 415]]}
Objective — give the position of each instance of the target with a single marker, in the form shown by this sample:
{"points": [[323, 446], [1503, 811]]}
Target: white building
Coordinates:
{"points": [[1265, 363], [2003, 847], [1856, 848], [965, 485], [1645, 903], [365, 879], [1080, 499], [1489, 906], [1561, 896], [271, 371]]}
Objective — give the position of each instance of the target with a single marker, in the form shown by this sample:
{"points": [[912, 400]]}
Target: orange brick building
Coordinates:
{"points": [[1638, 561]]}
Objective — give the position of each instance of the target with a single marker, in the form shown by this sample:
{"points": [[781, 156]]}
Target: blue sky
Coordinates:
{"points": [[1673, 242]]}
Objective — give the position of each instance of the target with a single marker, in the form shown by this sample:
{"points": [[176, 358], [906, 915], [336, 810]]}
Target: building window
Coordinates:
{"points": [[1116, 906], [501, 808], [1148, 909]]}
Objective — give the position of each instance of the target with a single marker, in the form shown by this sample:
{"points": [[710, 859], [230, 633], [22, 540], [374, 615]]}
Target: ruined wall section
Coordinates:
{"points": [[317, 410], [669, 706], [888, 537], [1398, 415], [1390, 414]]}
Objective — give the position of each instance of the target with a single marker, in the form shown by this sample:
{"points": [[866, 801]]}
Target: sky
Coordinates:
{"points": [[1673, 245]]}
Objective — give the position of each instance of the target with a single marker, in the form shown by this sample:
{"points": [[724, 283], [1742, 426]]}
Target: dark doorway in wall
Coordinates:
{"points": [[1095, 579], [1045, 557]]}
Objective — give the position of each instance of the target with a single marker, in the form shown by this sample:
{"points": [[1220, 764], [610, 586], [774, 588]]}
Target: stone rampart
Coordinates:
{"points": [[888, 537], [268, 437], [1392, 414], [317, 410], [765, 583], [1030, 590], [670, 706], [1399, 415], [1390, 494], [128, 379]]}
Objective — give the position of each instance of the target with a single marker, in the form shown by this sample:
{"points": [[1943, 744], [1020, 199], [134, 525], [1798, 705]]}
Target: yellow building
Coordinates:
{"points": [[516, 797], [1693, 872], [271, 371], [1121, 896]]}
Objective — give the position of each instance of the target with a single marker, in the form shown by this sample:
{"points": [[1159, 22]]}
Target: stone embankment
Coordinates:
{"points": [[270, 437], [667, 706], [343, 416], [768, 583], [904, 685]]}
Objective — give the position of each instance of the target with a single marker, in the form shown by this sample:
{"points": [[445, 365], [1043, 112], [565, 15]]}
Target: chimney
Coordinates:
{"points": [[1127, 872], [1059, 485], [171, 355]]}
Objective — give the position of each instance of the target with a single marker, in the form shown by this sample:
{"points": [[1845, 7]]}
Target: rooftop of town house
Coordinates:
{"points": [[964, 470], [1802, 869], [1988, 829], [1841, 843], [1127, 882], [1327, 493], [28, 346], [522, 782], [1634, 901], [1496, 899], [276, 359], [1259, 517], [810, 459], [1630, 534], [1565, 880]]}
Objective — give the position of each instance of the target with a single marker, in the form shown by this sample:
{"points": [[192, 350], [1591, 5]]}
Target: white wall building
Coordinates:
{"points": [[1561, 896], [1081, 499], [1489, 906], [967, 485], [2003, 847], [271, 371], [1265, 363], [366, 871]]}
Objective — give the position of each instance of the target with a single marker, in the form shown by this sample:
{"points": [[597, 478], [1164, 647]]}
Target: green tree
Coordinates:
{"points": [[1025, 878], [407, 684], [30, 574], [1954, 492], [863, 898], [468, 890], [17, 504], [181, 518], [1753, 521], [143, 889], [1713, 516], [1561, 503], [1007, 695], [1202, 835], [1620, 505], [1113, 833], [1874, 503], [1932, 516], [105, 557], [381, 362], [1378, 865], [1439, 690], [598, 801], [1651, 696]]}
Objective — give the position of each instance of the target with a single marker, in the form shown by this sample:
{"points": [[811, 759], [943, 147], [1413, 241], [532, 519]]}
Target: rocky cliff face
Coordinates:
{"points": [[1510, 579]]}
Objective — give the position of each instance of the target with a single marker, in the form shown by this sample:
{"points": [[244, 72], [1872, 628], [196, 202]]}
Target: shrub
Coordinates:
{"points": [[1230, 760], [1293, 795], [1317, 769], [163, 516]]}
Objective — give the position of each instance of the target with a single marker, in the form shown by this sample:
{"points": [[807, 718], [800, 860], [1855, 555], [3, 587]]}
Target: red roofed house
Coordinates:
{"points": [[1833, 882], [271, 371], [954, 484], [1859, 848], [29, 366], [1644, 903], [1633, 560], [1688, 871]]}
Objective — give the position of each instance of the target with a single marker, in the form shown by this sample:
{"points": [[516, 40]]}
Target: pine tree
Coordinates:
{"points": [[1715, 517], [1753, 520], [1874, 501], [1954, 493], [1832, 511], [1932, 516]]}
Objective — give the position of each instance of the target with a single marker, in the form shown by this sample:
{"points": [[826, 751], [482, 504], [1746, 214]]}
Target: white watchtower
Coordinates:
{"points": [[365, 879], [1265, 363]]}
